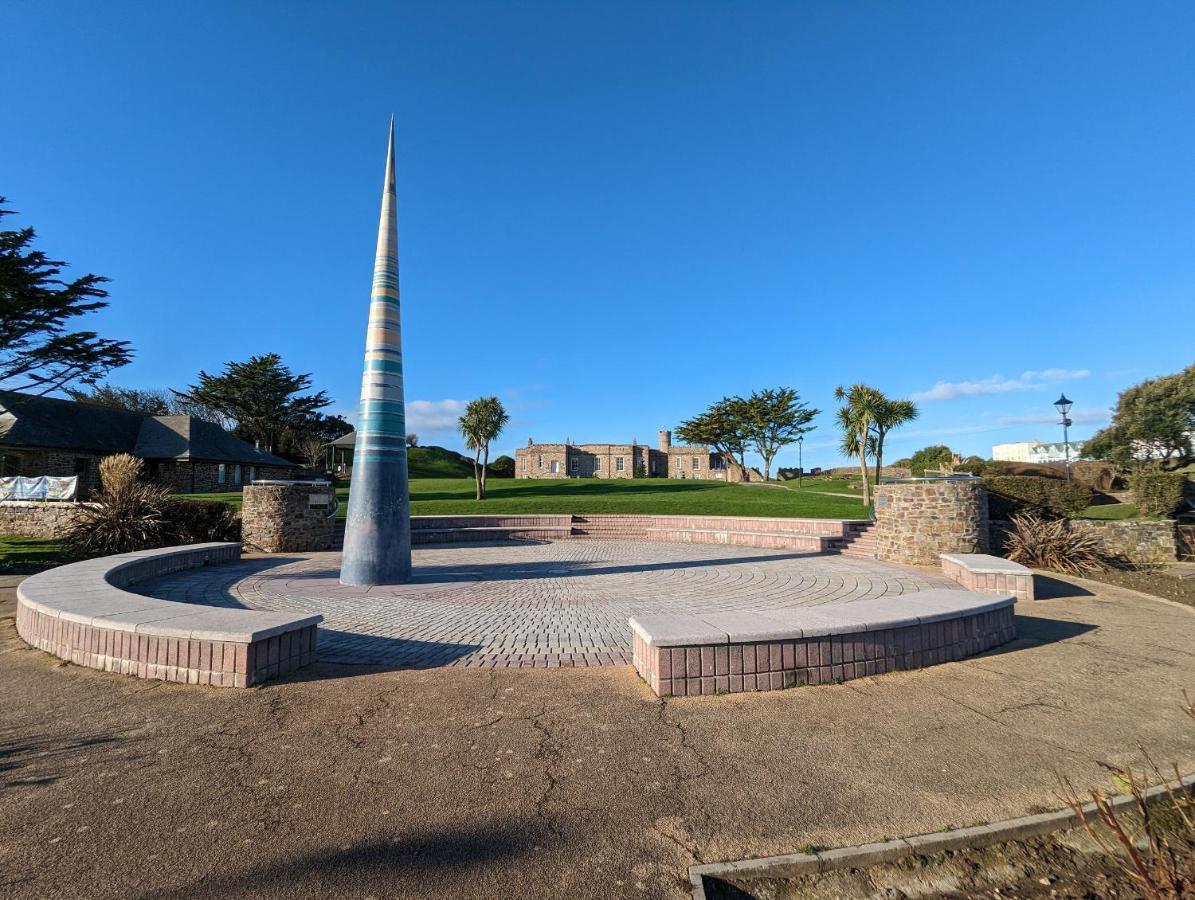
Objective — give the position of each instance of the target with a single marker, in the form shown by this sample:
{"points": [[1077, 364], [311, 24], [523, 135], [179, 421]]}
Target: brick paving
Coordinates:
{"points": [[539, 605]]}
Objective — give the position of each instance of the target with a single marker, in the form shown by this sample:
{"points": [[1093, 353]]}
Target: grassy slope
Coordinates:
{"points": [[657, 496], [436, 462]]}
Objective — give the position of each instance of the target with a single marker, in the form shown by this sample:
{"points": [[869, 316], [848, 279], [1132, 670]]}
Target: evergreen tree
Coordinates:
{"points": [[38, 351]]}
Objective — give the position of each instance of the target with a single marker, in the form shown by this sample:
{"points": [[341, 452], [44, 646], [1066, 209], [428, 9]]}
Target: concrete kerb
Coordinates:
{"points": [[864, 855]]}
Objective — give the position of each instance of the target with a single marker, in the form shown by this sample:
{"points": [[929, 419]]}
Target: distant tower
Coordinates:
{"points": [[665, 441], [377, 534]]}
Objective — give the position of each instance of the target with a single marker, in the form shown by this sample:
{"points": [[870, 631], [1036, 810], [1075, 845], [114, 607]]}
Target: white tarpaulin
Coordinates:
{"points": [[44, 487]]}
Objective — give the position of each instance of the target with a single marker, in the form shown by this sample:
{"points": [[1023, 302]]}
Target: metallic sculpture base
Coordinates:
{"points": [[377, 538]]}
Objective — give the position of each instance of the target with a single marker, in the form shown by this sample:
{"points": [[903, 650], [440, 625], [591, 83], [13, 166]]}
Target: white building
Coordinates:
{"points": [[1036, 452]]}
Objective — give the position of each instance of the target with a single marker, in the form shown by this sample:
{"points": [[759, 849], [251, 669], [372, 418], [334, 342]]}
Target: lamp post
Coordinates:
{"points": [[1063, 406], [800, 460]]}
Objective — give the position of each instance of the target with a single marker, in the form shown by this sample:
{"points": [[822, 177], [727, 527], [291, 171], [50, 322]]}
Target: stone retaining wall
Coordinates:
{"points": [[288, 517], [1139, 541], [918, 521], [36, 519]]}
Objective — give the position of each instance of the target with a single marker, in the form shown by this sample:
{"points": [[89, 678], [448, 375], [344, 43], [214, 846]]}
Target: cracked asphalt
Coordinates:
{"points": [[354, 782]]}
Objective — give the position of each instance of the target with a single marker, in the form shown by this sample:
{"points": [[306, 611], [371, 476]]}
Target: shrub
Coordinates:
{"points": [[930, 458], [200, 521], [119, 472], [1052, 544], [121, 521], [1159, 493], [997, 467], [1011, 494], [1099, 476]]}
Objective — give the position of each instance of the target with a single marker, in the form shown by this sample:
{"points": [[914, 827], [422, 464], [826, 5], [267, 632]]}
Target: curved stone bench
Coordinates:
{"points": [[81, 613], [681, 654], [988, 574]]}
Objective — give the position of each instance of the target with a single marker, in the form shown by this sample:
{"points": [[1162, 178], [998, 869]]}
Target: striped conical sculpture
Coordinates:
{"points": [[377, 535]]}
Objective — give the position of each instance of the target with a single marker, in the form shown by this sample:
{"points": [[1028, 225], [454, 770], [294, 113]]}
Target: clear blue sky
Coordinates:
{"points": [[612, 214]]}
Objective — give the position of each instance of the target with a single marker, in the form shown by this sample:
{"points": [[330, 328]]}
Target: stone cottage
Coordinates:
{"points": [[633, 460], [48, 436]]}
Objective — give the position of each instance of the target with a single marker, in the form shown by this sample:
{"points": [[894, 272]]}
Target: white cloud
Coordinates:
{"points": [[433, 415], [998, 384]]}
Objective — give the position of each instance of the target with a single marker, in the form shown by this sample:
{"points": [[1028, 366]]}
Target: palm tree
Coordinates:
{"points": [[482, 422], [856, 417], [890, 414]]}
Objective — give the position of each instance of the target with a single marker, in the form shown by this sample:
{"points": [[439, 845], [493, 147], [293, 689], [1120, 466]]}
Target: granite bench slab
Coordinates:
{"points": [[988, 574], [681, 654], [82, 613]]}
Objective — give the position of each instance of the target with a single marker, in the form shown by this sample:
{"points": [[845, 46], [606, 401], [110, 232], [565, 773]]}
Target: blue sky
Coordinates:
{"points": [[612, 214]]}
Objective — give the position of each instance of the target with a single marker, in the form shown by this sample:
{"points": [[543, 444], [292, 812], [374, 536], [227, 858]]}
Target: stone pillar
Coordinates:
{"points": [[288, 516], [916, 521]]}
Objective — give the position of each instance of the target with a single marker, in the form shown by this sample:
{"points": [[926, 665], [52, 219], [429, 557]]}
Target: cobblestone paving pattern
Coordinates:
{"points": [[530, 604]]}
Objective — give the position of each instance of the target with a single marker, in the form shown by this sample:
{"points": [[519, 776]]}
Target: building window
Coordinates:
{"points": [[696, 462], [220, 475], [252, 473], [597, 464], [572, 464], [618, 464], [523, 464], [236, 474], [554, 467], [540, 462]]}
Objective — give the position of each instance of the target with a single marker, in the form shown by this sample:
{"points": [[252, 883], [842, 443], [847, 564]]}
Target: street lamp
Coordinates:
{"points": [[800, 460], [1064, 406]]}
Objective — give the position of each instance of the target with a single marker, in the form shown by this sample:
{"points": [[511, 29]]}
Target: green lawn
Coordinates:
{"points": [[1109, 512], [827, 485], [23, 554], [651, 496]]}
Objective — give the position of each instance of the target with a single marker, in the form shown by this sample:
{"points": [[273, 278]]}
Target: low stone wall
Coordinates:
{"points": [[918, 521], [1138, 541], [35, 518], [288, 517]]}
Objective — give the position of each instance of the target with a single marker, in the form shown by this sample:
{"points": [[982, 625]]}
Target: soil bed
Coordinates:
{"points": [[1067, 865]]}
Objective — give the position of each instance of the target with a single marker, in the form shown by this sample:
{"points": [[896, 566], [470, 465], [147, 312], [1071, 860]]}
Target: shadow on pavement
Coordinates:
{"points": [[335, 870], [1046, 587]]}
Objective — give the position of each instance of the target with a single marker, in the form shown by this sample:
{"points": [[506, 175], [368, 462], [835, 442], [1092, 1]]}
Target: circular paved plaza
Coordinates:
{"points": [[562, 603]]}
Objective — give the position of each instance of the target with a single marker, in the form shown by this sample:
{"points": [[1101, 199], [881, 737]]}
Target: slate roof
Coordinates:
{"points": [[47, 422], [28, 421]]}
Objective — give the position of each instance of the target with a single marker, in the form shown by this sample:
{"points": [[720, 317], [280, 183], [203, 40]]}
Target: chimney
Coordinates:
{"points": [[665, 441]]}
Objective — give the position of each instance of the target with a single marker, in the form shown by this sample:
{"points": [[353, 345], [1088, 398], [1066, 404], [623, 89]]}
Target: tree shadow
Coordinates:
{"points": [[334, 871], [19, 754]]}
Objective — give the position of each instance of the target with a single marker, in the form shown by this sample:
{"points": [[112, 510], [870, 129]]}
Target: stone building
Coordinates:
{"points": [[48, 436], [633, 460]]}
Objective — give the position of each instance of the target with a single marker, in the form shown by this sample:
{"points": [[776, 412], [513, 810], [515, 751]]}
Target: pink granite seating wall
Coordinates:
{"points": [[736, 667], [53, 624], [215, 663], [1019, 585]]}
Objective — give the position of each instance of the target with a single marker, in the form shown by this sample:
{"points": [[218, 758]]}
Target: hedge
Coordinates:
{"points": [[1009, 494], [1159, 493], [201, 521]]}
